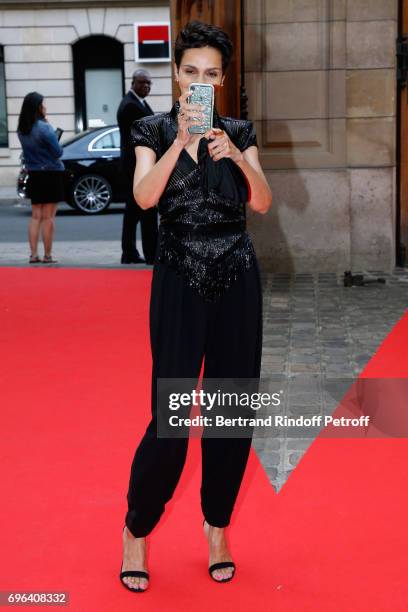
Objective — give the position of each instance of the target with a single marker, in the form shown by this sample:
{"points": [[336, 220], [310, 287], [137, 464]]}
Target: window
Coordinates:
{"points": [[110, 140], [116, 139], [3, 103], [105, 142]]}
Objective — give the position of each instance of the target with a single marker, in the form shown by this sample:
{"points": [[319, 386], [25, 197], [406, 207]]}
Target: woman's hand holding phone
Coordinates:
{"points": [[189, 115], [222, 146], [220, 143]]}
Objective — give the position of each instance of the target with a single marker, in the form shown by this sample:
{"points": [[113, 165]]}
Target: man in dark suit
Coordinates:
{"points": [[132, 107]]}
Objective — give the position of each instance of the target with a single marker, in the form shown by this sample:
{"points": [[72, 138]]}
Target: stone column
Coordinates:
{"points": [[371, 129]]}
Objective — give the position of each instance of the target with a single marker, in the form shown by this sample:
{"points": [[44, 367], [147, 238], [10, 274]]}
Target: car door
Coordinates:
{"points": [[105, 152]]}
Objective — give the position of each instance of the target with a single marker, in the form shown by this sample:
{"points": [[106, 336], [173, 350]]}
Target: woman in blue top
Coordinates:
{"points": [[41, 152]]}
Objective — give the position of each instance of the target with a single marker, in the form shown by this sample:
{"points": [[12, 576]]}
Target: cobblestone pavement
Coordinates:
{"points": [[317, 333]]}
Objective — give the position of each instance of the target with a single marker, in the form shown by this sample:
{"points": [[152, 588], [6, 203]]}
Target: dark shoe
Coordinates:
{"points": [[48, 259], [133, 574], [221, 565], [35, 259], [132, 260]]}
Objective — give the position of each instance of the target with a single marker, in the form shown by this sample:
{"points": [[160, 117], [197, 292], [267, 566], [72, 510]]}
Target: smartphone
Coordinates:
{"points": [[59, 132], [203, 94]]}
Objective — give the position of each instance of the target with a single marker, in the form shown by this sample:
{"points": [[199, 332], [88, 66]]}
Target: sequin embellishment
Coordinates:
{"points": [[212, 259]]}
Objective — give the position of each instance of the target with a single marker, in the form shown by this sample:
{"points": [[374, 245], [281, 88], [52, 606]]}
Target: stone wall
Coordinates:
{"points": [[320, 76]]}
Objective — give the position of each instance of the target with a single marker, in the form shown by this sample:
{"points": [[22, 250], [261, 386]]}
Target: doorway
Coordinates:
{"points": [[103, 94], [98, 81]]}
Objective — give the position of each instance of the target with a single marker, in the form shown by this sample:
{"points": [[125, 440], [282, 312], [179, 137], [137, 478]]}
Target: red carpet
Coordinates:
{"points": [[75, 389]]}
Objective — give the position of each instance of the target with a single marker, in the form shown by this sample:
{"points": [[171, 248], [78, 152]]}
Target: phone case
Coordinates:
{"points": [[202, 94]]}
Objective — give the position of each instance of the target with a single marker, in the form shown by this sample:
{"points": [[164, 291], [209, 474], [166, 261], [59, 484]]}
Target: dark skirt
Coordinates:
{"points": [[46, 186]]}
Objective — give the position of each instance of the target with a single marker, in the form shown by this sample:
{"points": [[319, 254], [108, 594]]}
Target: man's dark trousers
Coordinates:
{"points": [[148, 225], [131, 109]]}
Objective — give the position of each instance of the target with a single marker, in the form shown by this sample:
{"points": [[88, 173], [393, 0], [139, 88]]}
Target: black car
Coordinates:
{"points": [[93, 178]]}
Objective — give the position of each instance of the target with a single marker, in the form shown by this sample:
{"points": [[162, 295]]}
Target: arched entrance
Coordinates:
{"points": [[98, 80]]}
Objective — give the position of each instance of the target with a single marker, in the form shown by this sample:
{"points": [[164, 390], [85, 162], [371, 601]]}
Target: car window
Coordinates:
{"points": [[104, 142], [116, 139], [70, 139]]}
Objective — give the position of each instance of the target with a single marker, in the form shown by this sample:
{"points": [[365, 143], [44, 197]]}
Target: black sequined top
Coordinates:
{"points": [[202, 231]]}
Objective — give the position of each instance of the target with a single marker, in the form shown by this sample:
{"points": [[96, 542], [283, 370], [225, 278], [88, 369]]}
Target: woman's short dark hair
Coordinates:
{"points": [[196, 34], [30, 112]]}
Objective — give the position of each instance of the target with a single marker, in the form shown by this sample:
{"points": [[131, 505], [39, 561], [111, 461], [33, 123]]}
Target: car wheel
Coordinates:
{"points": [[91, 194]]}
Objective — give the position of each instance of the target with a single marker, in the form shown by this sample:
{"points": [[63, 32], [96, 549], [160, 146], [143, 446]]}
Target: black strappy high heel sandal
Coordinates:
{"points": [[133, 574], [221, 565]]}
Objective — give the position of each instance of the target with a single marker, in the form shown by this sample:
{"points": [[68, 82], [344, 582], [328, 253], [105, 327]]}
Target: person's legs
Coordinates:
{"points": [[177, 328], [34, 228], [234, 347], [149, 229], [177, 334], [131, 217], [48, 223]]}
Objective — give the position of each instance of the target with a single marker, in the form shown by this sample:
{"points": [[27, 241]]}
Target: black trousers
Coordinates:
{"points": [[184, 329], [148, 225]]}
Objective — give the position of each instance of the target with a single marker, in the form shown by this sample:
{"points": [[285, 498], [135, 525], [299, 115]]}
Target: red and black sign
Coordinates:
{"points": [[152, 41]]}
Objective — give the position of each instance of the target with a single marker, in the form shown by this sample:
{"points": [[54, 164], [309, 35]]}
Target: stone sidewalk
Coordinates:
{"points": [[318, 333], [75, 254]]}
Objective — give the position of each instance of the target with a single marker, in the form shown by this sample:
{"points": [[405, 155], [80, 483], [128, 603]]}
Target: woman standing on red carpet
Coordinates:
{"points": [[206, 296]]}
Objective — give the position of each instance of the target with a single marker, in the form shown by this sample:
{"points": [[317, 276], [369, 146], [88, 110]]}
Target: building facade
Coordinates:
{"points": [[80, 56], [321, 83]]}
